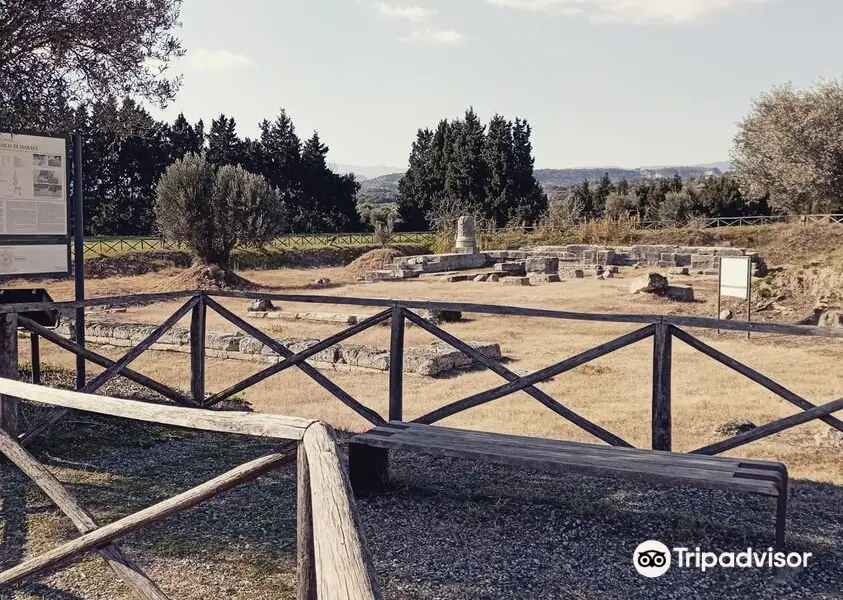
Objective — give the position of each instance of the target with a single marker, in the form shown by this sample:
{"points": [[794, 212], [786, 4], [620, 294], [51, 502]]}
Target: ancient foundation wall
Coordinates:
{"points": [[428, 360]]}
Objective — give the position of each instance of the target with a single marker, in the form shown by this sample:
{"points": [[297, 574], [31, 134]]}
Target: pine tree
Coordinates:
{"points": [[224, 147], [415, 192], [498, 154], [185, 138], [465, 177], [531, 201], [329, 200]]}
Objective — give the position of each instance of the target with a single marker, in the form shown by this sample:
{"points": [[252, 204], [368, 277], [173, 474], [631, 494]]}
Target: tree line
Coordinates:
{"points": [[123, 163], [465, 167]]}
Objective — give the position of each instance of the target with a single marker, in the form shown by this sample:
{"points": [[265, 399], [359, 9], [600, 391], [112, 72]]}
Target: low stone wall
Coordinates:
{"points": [[433, 359]]}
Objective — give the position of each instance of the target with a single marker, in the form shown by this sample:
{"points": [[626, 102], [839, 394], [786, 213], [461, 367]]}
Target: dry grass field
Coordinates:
{"points": [[613, 391]]}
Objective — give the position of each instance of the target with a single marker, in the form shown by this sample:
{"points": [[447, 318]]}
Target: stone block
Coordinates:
{"points": [[652, 283], [539, 278], [481, 277], [516, 281], [541, 264], [679, 293], [509, 267], [682, 260]]}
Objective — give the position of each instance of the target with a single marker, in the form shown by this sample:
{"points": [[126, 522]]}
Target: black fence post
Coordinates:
{"points": [[79, 256], [197, 350], [396, 365], [9, 369], [661, 411], [35, 352]]}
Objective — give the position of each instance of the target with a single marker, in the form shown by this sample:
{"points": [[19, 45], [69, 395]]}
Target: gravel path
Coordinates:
{"points": [[446, 529]]}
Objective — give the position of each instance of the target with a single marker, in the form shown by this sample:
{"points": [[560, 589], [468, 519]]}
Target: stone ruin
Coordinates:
{"points": [[430, 360], [466, 242]]}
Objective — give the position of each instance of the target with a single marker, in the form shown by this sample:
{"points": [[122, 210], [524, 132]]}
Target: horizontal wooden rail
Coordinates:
{"points": [[261, 425], [158, 512], [342, 562]]}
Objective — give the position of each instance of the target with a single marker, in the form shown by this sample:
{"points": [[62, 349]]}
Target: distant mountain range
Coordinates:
{"points": [[365, 173], [384, 188]]}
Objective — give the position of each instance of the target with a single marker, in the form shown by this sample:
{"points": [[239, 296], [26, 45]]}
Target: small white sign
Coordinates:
{"points": [[735, 276], [36, 259]]}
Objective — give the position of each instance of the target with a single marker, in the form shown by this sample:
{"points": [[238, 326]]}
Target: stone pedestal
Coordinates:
{"points": [[466, 242]]}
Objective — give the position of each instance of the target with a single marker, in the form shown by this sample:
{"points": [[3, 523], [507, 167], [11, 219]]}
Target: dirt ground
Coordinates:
{"points": [[613, 391], [449, 529]]}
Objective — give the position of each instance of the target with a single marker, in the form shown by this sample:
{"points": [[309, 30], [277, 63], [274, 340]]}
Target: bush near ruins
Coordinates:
{"points": [[382, 219], [214, 211]]}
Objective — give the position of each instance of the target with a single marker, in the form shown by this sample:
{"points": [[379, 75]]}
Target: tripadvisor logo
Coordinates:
{"points": [[653, 559]]}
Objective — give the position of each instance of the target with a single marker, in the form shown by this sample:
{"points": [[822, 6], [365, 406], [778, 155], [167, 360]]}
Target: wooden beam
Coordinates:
{"points": [[141, 346], [261, 425], [197, 351], [9, 405], [35, 354], [339, 393], [105, 362], [754, 375], [661, 409], [396, 365], [148, 516], [306, 565], [343, 565], [771, 428], [496, 367], [125, 300], [143, 587], [294, 360], [522, 383]]}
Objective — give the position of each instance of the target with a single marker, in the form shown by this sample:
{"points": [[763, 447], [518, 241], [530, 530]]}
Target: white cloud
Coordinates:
{"points": [[412, 13], [214, 60], [434, 36], [631, 11]]}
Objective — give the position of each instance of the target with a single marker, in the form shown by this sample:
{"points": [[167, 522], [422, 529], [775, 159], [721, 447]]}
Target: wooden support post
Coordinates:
{"points": [[396, 365], [306, 589], [35, 353], [9, 405], [661, 416], [368, 469], [197, 351]]}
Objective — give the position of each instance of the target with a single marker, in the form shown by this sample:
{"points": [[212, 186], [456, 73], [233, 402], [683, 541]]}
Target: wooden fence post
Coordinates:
{"points": [[661, 415], [197, 351], [9, 370], [396, 365], [35, 353], [306, 570]]}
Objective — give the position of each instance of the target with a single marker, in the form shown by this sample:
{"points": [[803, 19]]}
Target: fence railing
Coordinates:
{"points": [[114, 246], [662, 328], [326, 512]]}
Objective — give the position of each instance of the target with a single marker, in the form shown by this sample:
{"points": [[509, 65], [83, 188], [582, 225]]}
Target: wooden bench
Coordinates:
{"points": [[369, 461]]}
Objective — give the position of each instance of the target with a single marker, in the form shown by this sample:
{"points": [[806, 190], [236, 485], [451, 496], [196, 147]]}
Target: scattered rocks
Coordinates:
{"points": [[727, 315], [516, 281], [831, 318], [734, 427], [679, 293], [761, 269], [262, 305], [440, 316], [494, 277], [652, 283], [606, 275], [322, 282], [678, 271], [481, 277]]}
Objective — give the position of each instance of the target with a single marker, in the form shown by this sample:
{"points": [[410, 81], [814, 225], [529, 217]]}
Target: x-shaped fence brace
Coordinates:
{"points": [[102, 539], [514, 383]]}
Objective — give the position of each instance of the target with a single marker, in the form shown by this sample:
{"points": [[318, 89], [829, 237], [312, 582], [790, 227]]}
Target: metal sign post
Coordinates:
{"points": [[735, 280], [79, 254]]}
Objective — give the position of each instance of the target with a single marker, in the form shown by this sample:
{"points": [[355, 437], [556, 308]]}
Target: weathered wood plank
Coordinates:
{"points": [[9, 405], [197, 351], [771, 428], [343, 565], [661, 414], [494, 366], [35, 354], [306, 565], [141, 346], [294, 360], [335, 390], [143, 587], [125, 300], [262, 425], [754, 375], [148, 516], [536, 377], [396, 365]]}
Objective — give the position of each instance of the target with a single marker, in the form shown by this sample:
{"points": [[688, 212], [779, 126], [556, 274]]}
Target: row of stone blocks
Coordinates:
{"points": [[433, 359]]}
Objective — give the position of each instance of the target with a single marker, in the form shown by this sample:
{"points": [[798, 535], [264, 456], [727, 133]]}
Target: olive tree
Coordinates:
{"points": [[790, 146], [215, 211]]}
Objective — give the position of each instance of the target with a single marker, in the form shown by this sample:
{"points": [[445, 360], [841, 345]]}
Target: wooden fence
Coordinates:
{"points": [[663, 329], [327, 568]]}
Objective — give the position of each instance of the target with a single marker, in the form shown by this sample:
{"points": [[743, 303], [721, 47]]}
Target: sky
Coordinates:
{"points": [[602, 82]]}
